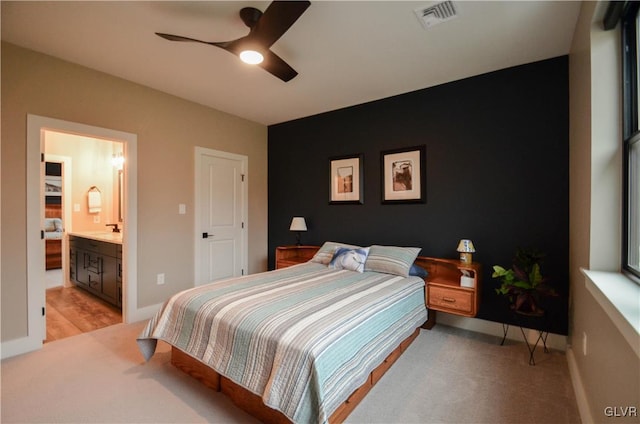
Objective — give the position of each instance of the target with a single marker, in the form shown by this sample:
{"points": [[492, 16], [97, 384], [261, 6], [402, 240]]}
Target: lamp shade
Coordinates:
{"points": [[466, 246], [298, 224]]}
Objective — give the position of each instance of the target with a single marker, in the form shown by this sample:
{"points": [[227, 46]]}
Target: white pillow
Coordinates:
{"points": [[351, 259], [49, 224]]}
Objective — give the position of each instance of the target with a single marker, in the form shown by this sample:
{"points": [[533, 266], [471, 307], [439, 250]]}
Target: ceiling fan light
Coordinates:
{"points": [[251, 57]]}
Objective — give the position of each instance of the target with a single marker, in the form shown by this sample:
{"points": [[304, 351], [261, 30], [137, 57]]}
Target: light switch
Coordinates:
{"points": [[182, 208], [76, 207]]}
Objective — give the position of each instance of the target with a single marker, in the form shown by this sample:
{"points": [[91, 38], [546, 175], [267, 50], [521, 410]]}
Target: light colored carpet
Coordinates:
{"points": [[446, 376]]}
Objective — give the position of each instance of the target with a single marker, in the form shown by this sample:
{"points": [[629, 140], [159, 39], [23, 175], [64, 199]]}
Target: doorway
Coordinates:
{"points": [[73, 165], [37, 126]]}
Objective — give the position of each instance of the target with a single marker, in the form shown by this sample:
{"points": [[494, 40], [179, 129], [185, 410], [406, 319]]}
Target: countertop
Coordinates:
{"points": [[106, 236]]}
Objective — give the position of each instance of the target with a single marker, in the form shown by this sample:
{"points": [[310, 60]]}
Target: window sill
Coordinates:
{"points": [[620, 299]]}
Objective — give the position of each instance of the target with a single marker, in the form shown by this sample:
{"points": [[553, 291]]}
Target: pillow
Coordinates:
{"points": [[351, 259], [391, 259], [325, 254], [418, 271], [49, 224]]}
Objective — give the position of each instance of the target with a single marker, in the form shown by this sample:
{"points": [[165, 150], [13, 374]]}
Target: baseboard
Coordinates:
{"points": [[554, 341], [145, 313], [19, 346], [28, 344], [578, 389]]}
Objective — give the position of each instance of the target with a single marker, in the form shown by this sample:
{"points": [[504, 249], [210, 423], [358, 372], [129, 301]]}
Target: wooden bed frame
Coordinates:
{"points": [[252, 403]]}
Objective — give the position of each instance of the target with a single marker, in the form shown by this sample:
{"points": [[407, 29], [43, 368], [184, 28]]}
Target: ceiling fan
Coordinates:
{"points": [[264, 30]]}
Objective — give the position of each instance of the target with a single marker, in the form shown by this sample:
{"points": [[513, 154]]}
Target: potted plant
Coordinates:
{"points": [[524, 284]]}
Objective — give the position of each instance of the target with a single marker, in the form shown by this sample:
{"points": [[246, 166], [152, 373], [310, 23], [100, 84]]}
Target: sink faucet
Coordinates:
{"points": [[115, 227]]}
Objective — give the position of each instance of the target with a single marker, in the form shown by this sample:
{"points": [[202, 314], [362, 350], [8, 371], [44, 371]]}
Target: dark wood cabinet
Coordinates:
{"points": [[119, 274], [96, 267]]}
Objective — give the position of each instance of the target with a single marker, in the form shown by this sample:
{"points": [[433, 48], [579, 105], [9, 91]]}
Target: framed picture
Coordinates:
{"points": [[404, 175], [52, 185], [346, 180]]}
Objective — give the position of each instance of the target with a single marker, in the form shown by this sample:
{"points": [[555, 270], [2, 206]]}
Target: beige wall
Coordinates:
{"points": [[168, 129], [610, 371], [91, 165]]}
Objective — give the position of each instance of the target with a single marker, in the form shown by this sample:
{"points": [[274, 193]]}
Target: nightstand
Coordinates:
{"points": [[293, 255], [444, 291]]}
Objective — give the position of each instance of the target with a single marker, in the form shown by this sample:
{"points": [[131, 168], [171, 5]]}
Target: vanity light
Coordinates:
{"points": [[298, 225], [251, 57], [465, 247], [117, 160]]}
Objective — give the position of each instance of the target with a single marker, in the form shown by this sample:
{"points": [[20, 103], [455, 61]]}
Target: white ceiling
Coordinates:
{"points": [[346, 52]]}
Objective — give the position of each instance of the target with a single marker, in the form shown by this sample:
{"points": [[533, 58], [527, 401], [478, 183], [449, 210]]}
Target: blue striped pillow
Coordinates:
{"points": [[391, 259]]}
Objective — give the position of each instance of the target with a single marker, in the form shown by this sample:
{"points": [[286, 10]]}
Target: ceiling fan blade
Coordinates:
{"points": [[223, 44], [273, 64], [276, 20], [172, 37]]}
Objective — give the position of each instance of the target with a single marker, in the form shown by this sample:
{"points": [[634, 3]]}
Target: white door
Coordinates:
{"points": [[66, 208], [221, 210]]}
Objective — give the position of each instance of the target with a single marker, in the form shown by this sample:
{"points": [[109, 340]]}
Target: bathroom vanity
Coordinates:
{"points": [[95, 264]]}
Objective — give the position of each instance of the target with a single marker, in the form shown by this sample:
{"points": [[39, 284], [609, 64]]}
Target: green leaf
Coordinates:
{"points": [[498, 271], [522, 285], [535, 276]]}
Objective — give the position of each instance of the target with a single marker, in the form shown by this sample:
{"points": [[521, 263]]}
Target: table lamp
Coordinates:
{"points": [[465, 247], [298, 225]]}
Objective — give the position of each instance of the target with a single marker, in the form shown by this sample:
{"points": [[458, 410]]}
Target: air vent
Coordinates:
{"points": [[436, 13]]}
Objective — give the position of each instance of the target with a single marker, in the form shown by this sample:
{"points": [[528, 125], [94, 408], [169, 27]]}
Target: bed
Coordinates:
{"points": [[300, 344]]}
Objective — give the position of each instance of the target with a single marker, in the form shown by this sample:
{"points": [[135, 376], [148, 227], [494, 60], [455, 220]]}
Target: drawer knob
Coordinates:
{"points": [[449, 299]]}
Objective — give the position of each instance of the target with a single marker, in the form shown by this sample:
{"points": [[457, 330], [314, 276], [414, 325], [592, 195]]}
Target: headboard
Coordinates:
{"points": [[53, 211]]}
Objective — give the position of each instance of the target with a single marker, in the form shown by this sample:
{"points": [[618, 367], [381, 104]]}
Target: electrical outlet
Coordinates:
{"points": [[96, 219], [160, 279], [584, 343]]}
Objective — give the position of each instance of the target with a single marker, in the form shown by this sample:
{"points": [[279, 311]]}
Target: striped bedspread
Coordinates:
{"points": [[303, 338]]}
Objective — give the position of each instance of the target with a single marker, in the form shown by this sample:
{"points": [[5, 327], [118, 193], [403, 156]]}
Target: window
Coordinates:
{"points": [[631, 85]]}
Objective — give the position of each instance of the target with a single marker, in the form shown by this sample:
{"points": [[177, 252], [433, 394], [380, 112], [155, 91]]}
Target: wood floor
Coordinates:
{"points": [[72, 311]]}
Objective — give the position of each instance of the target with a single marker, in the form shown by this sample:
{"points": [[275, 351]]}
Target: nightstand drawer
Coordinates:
{"points": [[286, 264], [455, 300]]}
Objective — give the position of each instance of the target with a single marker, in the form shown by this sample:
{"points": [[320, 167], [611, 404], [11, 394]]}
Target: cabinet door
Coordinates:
{"points": [[82, 274], [119, 281], [92, 268], [110, 278], [73, 261], [94, 281]]}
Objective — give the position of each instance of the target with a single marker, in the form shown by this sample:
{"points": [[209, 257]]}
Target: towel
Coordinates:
{"points": [[95, 202]]}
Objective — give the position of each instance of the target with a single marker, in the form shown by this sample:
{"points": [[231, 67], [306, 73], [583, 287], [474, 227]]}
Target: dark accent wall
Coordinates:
{"points": [[497, 164]]}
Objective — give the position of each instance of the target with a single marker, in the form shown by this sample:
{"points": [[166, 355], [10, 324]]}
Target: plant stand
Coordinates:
{"points": [[542, 336]]}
